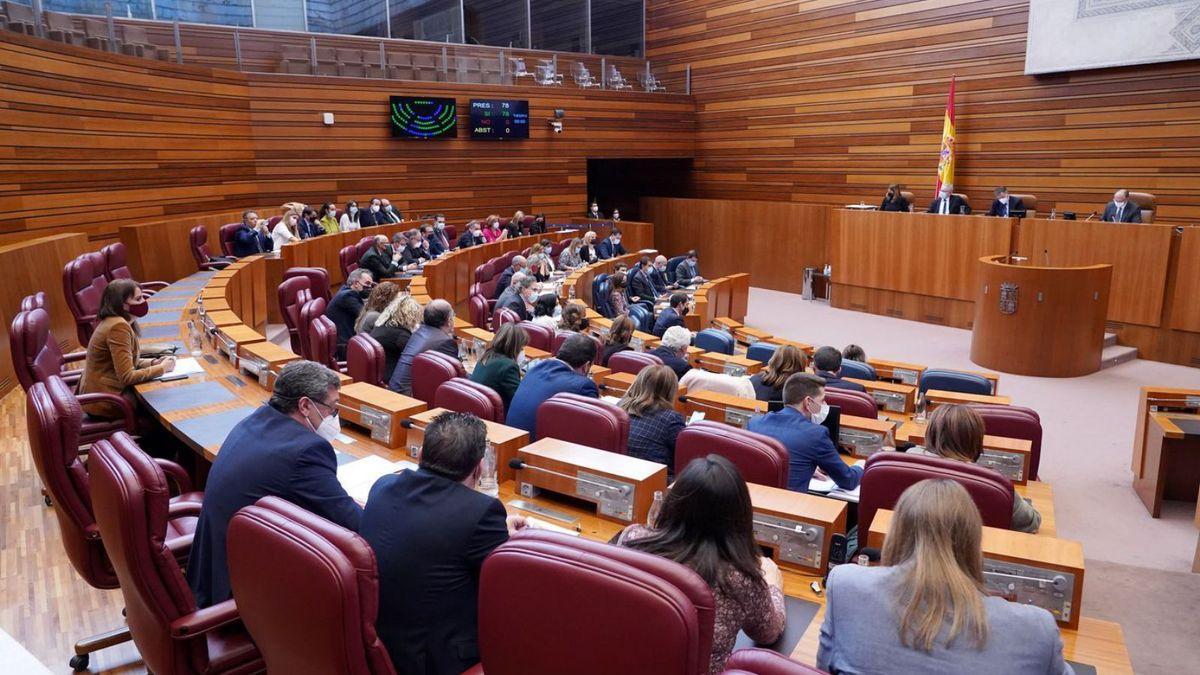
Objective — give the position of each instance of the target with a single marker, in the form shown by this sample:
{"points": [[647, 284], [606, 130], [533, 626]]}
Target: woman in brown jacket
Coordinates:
{"points": [[113, 363]]}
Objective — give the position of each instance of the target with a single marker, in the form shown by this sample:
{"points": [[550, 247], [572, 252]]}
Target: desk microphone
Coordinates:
{"points": [[1090, 217], [518, 464]]}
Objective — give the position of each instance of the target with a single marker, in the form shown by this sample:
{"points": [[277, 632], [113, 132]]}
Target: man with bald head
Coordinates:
{"points": [[658, 276], [388, 215], [1121, 209], [436, 333], [381, 260]]}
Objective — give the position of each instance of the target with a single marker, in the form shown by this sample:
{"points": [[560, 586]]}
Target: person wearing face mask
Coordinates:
{"points": [[611, 247], [658, 276], [282, 449], [347, 304], [350, 220], [252, 237], [380, 260], [113, 362], [948, 203], [616, 216], [414, 255], [594, 212], [1005, 204], [518, 266], [587, 251], [472, 237], [373, 215], [539, 225], [565, 373], [438, 242], [798, 428], [1121, 210], [284, 231], [328, 220], [389, 215], [827, 362], [522, 304], [436, 333], [309, 225]]}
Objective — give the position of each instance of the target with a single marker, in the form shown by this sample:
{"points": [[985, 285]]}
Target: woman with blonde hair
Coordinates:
{"points": [[587, 251], [569, 258], [768, 385], [394, 327], [516, 226], [286, 230], [927, 608], [381, 296], [654, 423]]}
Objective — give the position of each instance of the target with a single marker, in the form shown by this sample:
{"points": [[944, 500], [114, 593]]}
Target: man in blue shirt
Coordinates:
{"points": [[252, 237], [798, 428], [565, 373], [673, 315]]}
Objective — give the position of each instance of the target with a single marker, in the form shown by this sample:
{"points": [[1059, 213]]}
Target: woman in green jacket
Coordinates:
{"points": [[499, 367]]}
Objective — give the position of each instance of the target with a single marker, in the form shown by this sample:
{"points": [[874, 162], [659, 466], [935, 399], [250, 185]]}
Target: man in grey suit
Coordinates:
{"points": [[1121, 209]]}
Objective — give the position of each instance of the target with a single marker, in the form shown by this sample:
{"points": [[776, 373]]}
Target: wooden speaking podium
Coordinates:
{"points": [[1042, 321]]}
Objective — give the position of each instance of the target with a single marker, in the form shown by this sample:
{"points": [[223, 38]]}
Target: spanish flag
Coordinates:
{"points": [[945, 172]]}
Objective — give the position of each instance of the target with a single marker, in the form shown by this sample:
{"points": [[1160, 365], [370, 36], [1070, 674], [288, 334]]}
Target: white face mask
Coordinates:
{"points": [[329, 428], [1004, 199], [440, 226], [374, 207], [821, 414], [388, 208], [353, 209], [945, 195]]}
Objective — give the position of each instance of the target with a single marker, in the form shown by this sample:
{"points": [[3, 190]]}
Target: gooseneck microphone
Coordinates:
{"points": [[1090, 217], [518, 464]]}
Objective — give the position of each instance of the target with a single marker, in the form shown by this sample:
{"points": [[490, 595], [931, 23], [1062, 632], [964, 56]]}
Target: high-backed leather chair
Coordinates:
{"points": [[858, 370], [643, 317], [35, 301], [129, 496], [366, 360], [758, 661], [965, 198], [714, 340], [35, 354], [856, 403], [760, 459], [1147, 202], [307, 591], [318, 280], [348, 259], [480, 311], [322, 342], [1030, 202], [600, 290], [309, 311], [910, 198], [761, 351], [671, 265], [632, 362], [482, 272], [364, 245], [593, 610], [290, 307], [116, 266], [488, 280], [53, 421], [462, 395], [1013, 421], [540, 337], [430, 370], [584, 420], [83, 286], [889, 474], [953, 380], [198, 241], [225, 236], [502, 316]]}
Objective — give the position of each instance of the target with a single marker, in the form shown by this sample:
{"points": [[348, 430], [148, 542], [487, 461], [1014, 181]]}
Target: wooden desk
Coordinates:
{"points": [[1170, 467], [1151, 400]]}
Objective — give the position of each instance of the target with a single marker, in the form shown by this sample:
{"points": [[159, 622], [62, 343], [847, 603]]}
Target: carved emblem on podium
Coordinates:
{"points": [[1008, 298]]}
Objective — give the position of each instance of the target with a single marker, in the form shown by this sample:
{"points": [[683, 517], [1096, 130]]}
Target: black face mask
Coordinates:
{"points": [[364, 293]]}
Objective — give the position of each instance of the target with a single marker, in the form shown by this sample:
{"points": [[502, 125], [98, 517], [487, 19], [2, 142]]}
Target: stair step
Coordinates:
{"points": [[1110, 339], [1116, 355]]}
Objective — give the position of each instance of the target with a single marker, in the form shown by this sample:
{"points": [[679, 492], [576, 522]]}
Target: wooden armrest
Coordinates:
{"points": [[205, 620]]}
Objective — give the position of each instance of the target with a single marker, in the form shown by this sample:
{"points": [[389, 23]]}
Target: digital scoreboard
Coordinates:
{"points": [[499, 118]]}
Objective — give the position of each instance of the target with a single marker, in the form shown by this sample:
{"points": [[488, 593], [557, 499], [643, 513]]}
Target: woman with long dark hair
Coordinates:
{"points": [[500, 366]]}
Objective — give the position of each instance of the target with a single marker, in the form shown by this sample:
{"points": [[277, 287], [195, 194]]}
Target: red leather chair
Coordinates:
{"points": [[430, 370], [462, 395], [289, 306], [322, 342], [35, 301], [889, 474], [505, 261], [307, 591], [129, 496], [198, 240], [117, 267], [54, 420], [502, 316], [489, 280], [856, 403], [480, 309], [632, 362], [348, 259], [482, 273], [309, 311], [765, 662], [363, 245], [760, 459], [225, 235], [451, 233], [35, 354], [583, 420], [591, 600], [1012, 421], [540, 337], [83, 285], [318, 280], [366, 360]]}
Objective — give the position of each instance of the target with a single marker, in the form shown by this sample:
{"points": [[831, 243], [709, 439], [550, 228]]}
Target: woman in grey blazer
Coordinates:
{"points": [[926, 610]]}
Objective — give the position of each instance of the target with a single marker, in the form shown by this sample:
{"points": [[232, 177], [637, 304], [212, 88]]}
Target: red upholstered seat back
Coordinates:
{"points": [[430, 370], [35, 301], [35, 355], [583, 420], [1012, 421], [760, 459], [363, 246], [322, 340], [115, 262], [856, 403], [348, 259], [491, 276], [632, 612], [561, 336], [462, 395], [502, 316], [289, 306], [307, 590], [366, 360], [83, 286], [318, 280], [478, 306], [225, 234], [889, 474], [198, 241], [540, 337], [759, 661], [483, 272], [309, 311], [632, 362]]}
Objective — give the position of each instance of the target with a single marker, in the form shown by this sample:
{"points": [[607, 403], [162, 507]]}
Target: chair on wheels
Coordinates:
{"points": [[632, 362], [117, 267], [366, 360], [198, 240], [714, 340], [429, 370], [671, 265], [83, 286], [953, 380], [307, 591], [462, 395], [584, 420], [35, 354], [760, 459], [129, 497]]}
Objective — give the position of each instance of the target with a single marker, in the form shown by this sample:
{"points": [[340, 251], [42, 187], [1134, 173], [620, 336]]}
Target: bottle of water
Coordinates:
{"points": [[655, 509], [571, 292], [487, 478], [194, 343], [922, 405]]}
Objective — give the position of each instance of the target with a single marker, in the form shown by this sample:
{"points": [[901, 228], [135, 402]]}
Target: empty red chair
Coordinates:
{"points": [[632, 362], [430, 370], [760, 459], [540, 337], [1012, 421], [225, 235], [129, 497], [889, 474], [83, 286], [480, 309], [201, 253], [35, 353], [583, 420], [307, 591], [308, 314], [348, 259], [363, 244], [318, 280], [462, 395], [366, 360], [482, 273], [856, 403], [633, 612], [489, 280], [117, 267], [289, 306], [35, 301], [759, 661], [322, 342], [502, 316]]}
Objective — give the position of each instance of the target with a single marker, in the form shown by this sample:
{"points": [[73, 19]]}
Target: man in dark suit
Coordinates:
{"points": [[518, 265], [345, 306], [948, 203], [687, 272], [281, 449], [640, 287], [1005, 204], [379, 260], [1121, 209], [566, 373], [611, 247], [472, 237], [521, 298], [673, 315], [827, 361], [430, 531], [672, 349], [373, 215], [658, 276], [413, 254], [387, 214], [438, 243], [594, 212], [309, 227], [436, 333], [253, 237]]}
